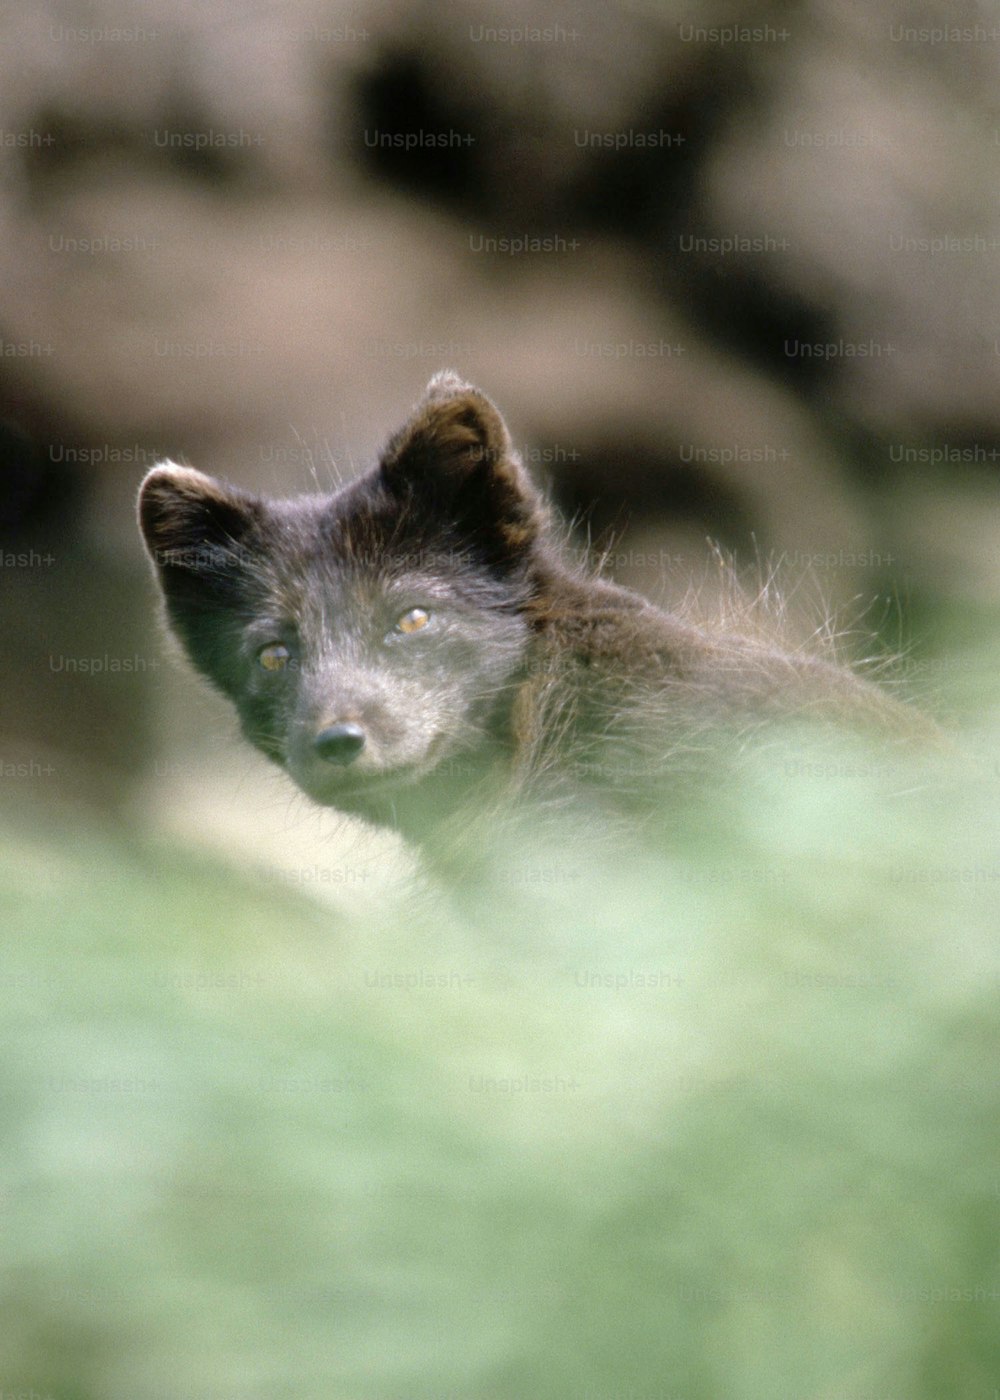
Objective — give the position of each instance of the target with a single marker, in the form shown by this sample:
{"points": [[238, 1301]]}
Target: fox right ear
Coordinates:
{"points": [[201, 536], [190, 521]]}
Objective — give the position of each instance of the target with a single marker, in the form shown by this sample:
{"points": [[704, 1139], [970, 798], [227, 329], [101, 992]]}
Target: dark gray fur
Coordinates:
{"points": [[531, 677]]}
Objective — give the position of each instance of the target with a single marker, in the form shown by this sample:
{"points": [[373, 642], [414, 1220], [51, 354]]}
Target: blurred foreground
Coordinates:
{"points": [[713, 1118]]}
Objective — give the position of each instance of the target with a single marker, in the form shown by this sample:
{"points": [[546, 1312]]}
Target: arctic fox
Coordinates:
{"points": [[414, 644]]}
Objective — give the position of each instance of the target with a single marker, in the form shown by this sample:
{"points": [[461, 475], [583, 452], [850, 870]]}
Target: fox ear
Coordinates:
{"points": [[190, 522], [200, 535], [455, 456]]}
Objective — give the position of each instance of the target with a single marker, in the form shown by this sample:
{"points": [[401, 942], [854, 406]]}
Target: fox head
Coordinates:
{"points": [[367, 637]]}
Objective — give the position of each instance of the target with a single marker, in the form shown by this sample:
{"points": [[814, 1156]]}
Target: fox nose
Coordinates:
{"points": [[340, 743]]}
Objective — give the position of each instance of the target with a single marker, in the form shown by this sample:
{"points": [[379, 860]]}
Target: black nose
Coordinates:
{"points": [[341, 743]]}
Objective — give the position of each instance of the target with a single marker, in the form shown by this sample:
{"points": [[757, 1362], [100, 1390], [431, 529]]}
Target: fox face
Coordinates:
{"points": [[372, 638]]}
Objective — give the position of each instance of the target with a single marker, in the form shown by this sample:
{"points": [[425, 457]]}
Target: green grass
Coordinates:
{"points": [[710, 1119]]}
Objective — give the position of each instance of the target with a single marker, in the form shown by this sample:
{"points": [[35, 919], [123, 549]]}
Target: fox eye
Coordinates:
{"points": [[274, 657], [413, 620]]}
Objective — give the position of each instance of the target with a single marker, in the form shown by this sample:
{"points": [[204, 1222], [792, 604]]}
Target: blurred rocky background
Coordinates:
{"points": [[729, 270]]}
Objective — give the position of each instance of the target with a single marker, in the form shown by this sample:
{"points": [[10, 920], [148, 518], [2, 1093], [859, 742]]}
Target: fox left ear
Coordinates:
{"points": [[455, 455]]}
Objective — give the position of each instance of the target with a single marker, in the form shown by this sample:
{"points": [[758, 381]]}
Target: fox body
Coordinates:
{"points": [[413, 644]]}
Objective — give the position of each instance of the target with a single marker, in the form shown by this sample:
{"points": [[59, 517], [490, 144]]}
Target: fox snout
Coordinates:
{"points": [[340, 743], [346, 736]]}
